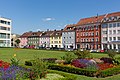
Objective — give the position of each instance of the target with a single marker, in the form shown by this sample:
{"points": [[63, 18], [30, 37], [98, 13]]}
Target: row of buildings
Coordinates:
{"points": [[99, 32]]}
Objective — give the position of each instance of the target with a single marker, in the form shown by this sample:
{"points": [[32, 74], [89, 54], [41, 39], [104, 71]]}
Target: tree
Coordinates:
{"points": [[111, 53], [68, 57], [82, 54], [17, 41]]}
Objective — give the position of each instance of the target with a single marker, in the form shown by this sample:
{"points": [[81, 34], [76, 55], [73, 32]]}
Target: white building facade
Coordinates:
{"points": [[110, 32], [5, 32]]}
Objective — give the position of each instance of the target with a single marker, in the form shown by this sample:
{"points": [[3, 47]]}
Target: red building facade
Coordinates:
{"points": [[88, 33]]}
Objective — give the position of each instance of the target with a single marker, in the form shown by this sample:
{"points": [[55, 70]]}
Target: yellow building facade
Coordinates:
{"points": [[56, 39]]}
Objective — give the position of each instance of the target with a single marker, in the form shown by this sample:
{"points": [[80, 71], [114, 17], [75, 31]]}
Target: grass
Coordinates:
{"points": [[27, 54]]}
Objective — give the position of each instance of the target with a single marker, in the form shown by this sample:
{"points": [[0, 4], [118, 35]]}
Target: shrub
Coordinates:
{"points": [[107, 60], [50, 60], [29, 63], [116, 61], [109, 72], [14, 60], [111, 53], [77, 64], [72, 70], [82, 54], [39, 68], [68, 57]]}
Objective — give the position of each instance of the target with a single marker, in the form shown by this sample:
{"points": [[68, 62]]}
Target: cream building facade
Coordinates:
{"points": [[5, 32]]}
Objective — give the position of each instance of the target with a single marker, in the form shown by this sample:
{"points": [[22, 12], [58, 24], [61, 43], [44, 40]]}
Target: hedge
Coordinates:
{"points": [[72, 70], [109, 72], [80, 71]]}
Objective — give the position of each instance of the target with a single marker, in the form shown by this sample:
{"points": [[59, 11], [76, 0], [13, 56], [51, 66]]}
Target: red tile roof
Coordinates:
{"points": [[69, 27], [90, 20], [113, 14], [47, 33], [57, 33], [26, 34], [95, 19]]}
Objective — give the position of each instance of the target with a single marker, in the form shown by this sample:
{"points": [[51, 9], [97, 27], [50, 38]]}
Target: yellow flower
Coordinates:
{"points": [[14, 55]]}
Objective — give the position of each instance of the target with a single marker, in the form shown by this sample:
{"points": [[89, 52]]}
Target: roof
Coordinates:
{"points": [[47, 33], [69, 27], [98, 19], [113, 14], [90, 20], [36, 34], [57, 33], [26, 34]]}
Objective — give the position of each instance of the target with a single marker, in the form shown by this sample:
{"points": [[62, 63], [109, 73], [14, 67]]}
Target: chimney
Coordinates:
{"points": [[47, 29]]}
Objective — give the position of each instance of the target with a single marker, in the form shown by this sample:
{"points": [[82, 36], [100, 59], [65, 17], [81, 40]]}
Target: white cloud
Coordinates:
{"points": [[48, 19]]}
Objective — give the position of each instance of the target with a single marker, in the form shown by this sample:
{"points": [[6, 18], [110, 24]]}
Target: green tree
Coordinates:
{"points": [[82, 54], [39, 68], [111, 53], [17, 42], [68, 57]]}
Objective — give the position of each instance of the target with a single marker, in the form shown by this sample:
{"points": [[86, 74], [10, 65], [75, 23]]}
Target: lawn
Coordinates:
{"points": [[27, 54]]}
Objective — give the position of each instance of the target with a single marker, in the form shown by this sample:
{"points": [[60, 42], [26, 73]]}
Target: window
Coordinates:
{"points": [[118, 31], [96, 27], [96, 39], [114, 31], [56, 37], [104, 25], [118, 38], [8, 23], [118, 24], [86, 40], [92, 39], [87, 34], [96, 33], [92, 34], [55, 41], [59, 41], [114, 25], [110, 31], [3, 28], [110, 25], [104, 38], [114, 46], [114, 38], [104, 32], [110, 38]]}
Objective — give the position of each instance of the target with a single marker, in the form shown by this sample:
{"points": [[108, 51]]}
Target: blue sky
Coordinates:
{"points": [[33, 15]]}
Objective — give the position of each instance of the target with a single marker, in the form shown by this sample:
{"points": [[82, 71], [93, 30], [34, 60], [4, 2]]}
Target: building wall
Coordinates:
{"points": [[32, 40], [110, 35], [44, 42], [23, 42], [5, 32], [56, 41], [68, 39], [89, 36]]}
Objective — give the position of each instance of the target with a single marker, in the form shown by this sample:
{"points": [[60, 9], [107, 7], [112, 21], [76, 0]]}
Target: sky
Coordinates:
{"points": [[40, 15]]}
